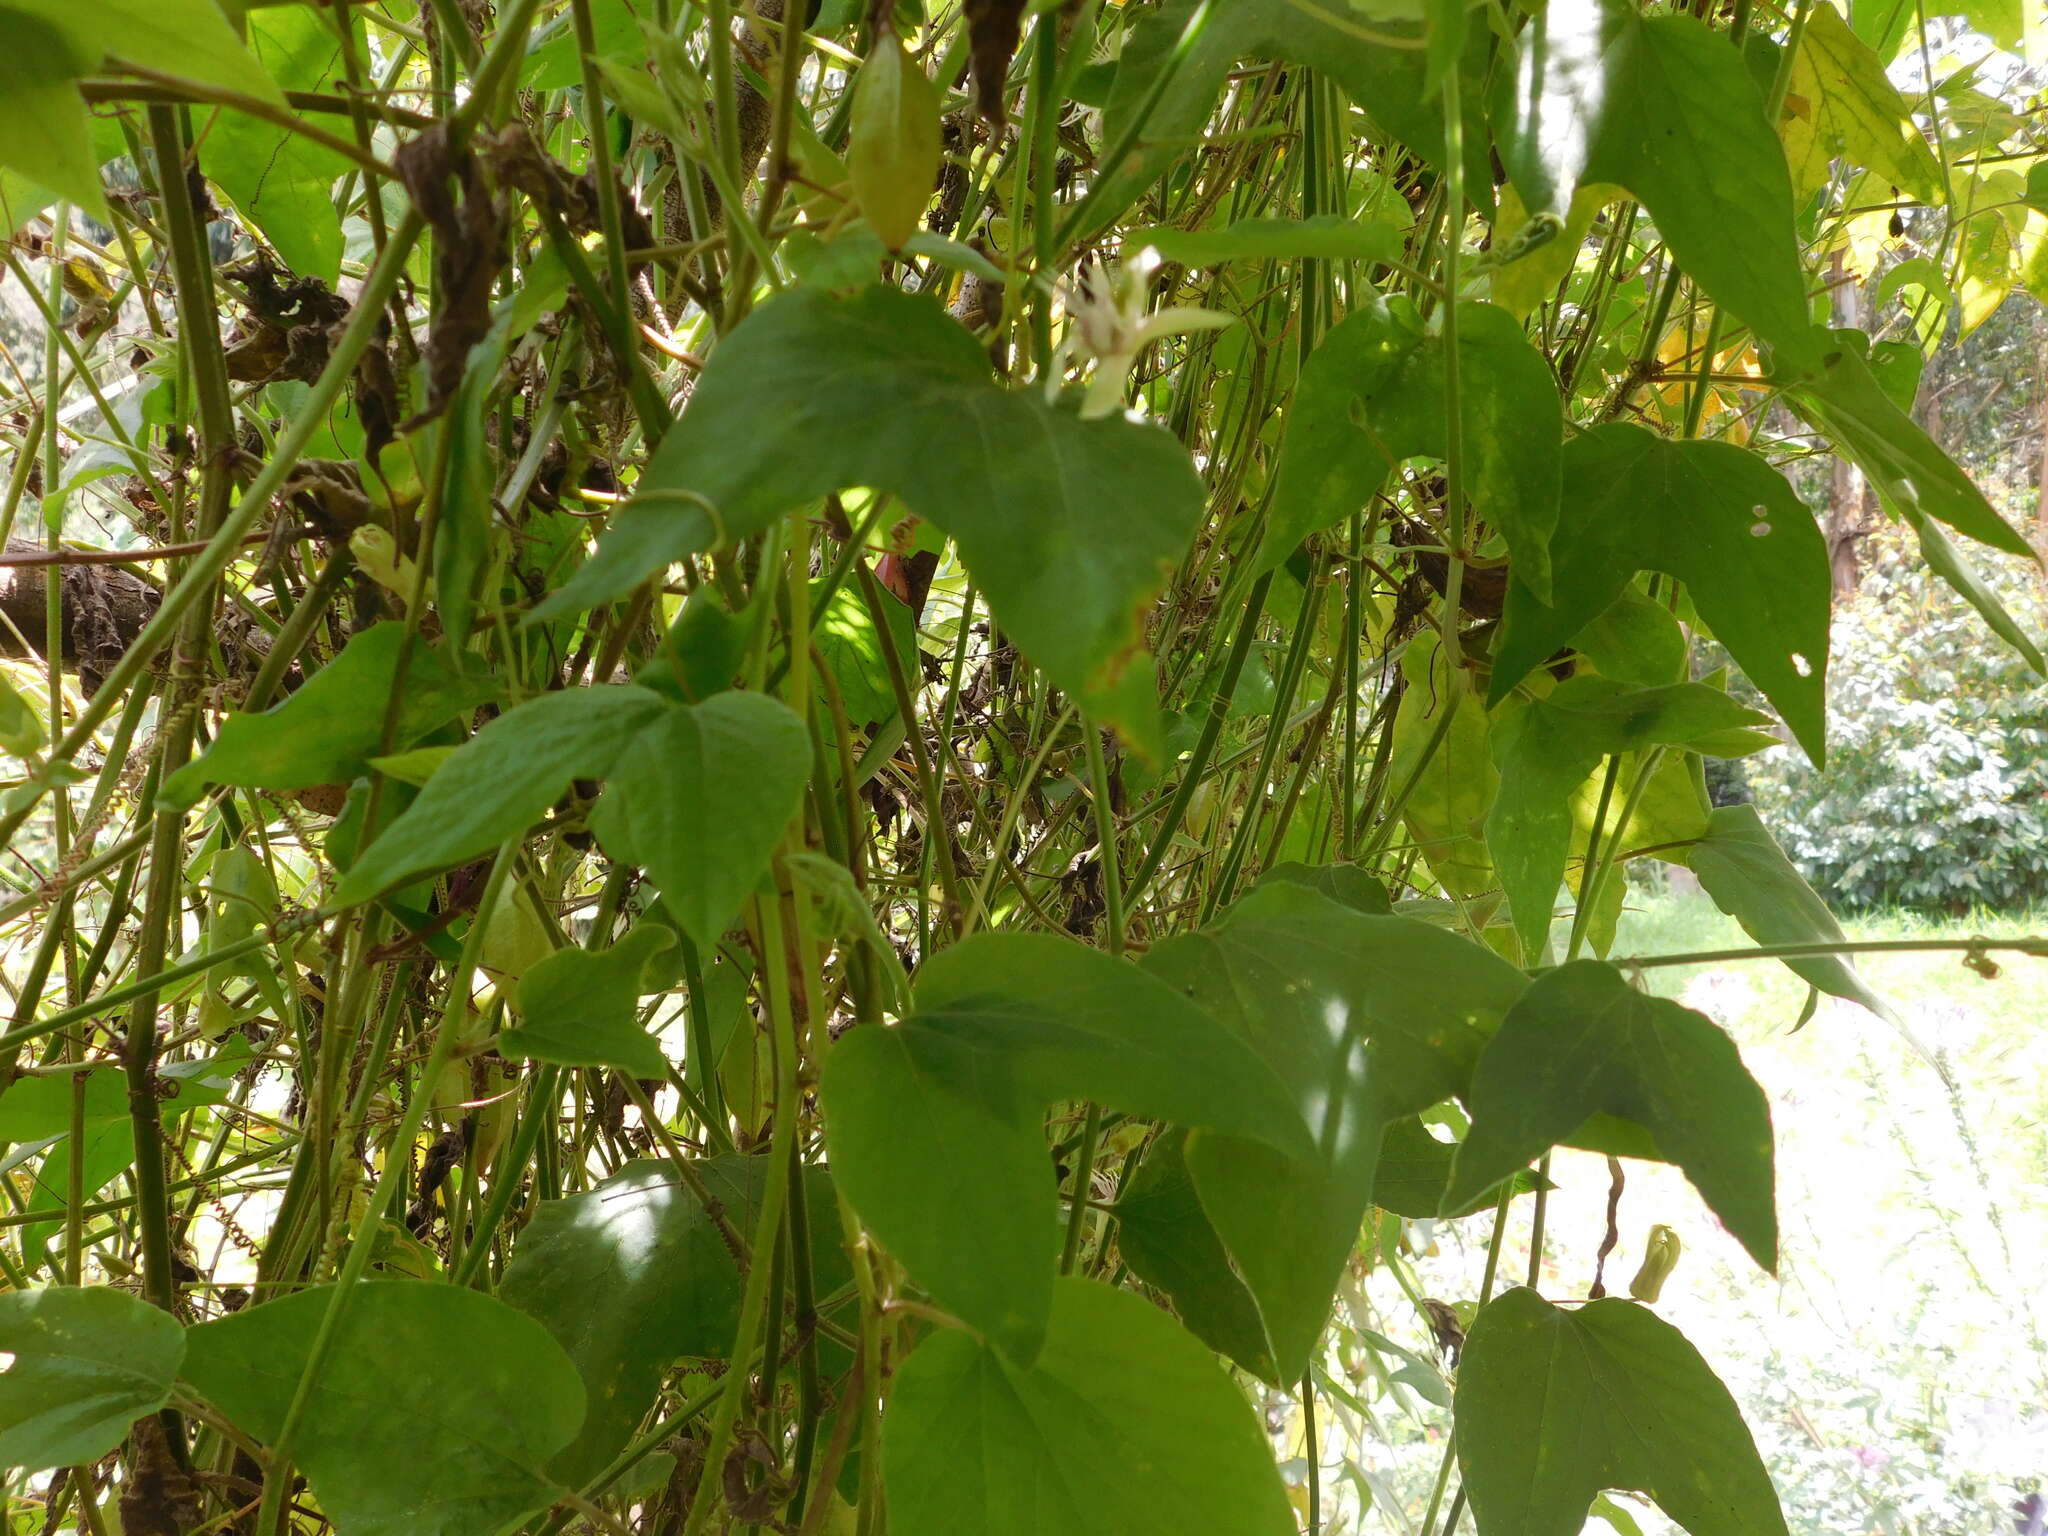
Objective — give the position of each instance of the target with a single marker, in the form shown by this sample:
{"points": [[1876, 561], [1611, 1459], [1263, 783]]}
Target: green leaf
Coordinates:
{"points": [[187, 38], [1662, 106], [1165, 1236], [1326, 237], [1906, 467], [1949, 563], [1850, 107], [1452, 777], [439, 1407], [701, 797], [327, 732], [555, 63], [1637, 502], [44, 131], [464, 535], [1742, 867], [1068, 526], [1063, 1021], [1414, 1175], [87, 1363], [21, 725], [1365, 1019], [37, 1108], [499, 782], [634, 1275], [1345, 884], [282, 181], [1388, 83], [851, 643], [1545, 749], [957, 1183], [1582, 1042], [580, 1007], [1554, 1406], [1124, 1427], [1373, 394]]}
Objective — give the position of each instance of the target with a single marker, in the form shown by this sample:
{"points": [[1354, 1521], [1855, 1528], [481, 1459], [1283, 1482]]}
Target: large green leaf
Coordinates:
{"points": [[580, 1007], [1581, 1042], [1373, 394], [1554, 1406], [439, 1407], [329, 730], [1389, 84], [1848, 106], [1165, 1236], [44, 132], [1365, 1019], [87, 1363], [1907, 468], [1125, 1426], [1545, 749], [282, 181], [1414, 1175], [500, 781], [701, 797], [934, 1126], [1742, 867], [1064, 1021], [635, 1275], [1069, 526], [957, 1184], [188, 38], [1719, 519], [1662, 106]]}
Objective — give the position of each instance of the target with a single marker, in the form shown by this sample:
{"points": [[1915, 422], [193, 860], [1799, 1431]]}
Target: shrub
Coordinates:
{"points": [[1935, 794]]}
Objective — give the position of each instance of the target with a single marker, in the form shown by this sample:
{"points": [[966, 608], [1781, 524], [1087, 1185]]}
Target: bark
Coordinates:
{"points": [[104, 610], [1852, 508]]}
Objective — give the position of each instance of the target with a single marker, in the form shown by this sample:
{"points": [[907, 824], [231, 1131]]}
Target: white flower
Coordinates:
{"points": [[1111, 326]]}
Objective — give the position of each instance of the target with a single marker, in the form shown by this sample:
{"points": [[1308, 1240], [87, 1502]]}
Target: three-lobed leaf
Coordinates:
{"points": [[1364, 1019], [1582, 1041], [579, 1007], [1068, 526], [438, 1412], [1375, 393], [701, 796], [635, 1274], [1555, 1406], [1124, 1426], [1719, 519]]}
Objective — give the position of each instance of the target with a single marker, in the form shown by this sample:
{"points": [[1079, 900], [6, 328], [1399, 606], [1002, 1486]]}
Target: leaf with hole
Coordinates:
{"points": [[1555, 1406], [1582, 1041], [1715, 516]]}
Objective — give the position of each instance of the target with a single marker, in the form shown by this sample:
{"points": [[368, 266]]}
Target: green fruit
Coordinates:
{"points": [[893, 158]]}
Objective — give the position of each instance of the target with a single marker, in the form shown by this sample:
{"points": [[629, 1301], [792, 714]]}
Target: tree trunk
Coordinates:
{"points": [[1851, 513]]}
